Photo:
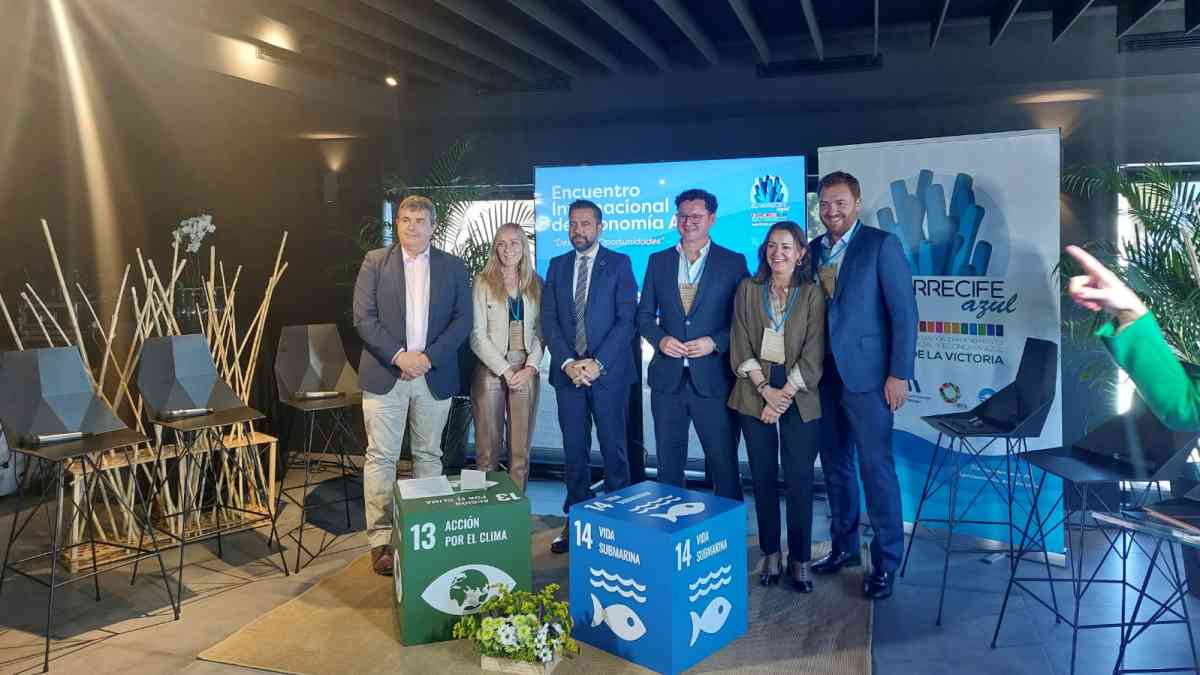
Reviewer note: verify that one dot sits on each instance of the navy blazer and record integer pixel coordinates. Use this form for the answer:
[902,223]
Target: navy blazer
[611,303]
[872,316]
[379,317]
[660,313]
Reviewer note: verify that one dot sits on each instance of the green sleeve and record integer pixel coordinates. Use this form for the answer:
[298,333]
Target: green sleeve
[1142,352]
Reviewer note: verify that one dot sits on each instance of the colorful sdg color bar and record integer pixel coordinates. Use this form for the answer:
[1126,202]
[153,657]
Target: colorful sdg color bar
[962,328]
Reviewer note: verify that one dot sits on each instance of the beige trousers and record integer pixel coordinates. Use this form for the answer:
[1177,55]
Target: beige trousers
[494,404]
[385,416]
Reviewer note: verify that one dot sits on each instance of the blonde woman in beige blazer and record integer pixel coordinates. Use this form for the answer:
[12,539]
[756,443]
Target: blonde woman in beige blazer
[507,338]
[777,347]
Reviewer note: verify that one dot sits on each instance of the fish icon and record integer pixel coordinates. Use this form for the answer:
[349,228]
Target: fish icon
[712,620]
[678,511]
[624,622]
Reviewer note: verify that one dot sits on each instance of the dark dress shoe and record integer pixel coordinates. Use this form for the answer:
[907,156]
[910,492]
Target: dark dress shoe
[771,570]
[878,585]
[562,543]
[834,561]
[381,560]
[800,574]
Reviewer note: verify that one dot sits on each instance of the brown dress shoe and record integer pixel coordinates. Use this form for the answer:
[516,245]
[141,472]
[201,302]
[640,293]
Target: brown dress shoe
[381,560]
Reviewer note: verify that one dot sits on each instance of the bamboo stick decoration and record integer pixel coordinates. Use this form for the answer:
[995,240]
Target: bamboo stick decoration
[174,263]
[109,343]
[262,321]
[100,328]
[112,326]
[135,347]
[66,294]
[164,302]
[61,332]
[45,333]
[11,326]
[212,280]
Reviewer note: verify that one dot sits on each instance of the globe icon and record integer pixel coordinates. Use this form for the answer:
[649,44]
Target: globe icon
[470,590]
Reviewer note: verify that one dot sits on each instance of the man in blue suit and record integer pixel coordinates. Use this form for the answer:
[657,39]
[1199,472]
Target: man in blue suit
[685,313]
[588,308]
[412,308]
[872,341]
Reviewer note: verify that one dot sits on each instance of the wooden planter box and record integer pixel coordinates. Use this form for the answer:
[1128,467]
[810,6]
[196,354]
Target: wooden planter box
[115,478]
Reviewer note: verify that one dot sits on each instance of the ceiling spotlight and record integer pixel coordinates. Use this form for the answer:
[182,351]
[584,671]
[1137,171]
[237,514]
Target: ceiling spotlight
[391,81]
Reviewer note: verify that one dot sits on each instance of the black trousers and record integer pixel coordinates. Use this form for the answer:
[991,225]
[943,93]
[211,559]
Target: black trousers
[793,441]
[715,426]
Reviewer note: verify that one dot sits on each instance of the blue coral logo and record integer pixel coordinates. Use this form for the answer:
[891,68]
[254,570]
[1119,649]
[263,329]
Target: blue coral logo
[940,240]
[986,393]
[768,189]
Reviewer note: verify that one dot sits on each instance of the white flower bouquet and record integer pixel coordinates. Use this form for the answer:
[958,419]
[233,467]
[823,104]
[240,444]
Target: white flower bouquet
[193,230]
[519,626]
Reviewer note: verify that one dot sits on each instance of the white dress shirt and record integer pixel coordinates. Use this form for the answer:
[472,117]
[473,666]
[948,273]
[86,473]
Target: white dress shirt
[416,301]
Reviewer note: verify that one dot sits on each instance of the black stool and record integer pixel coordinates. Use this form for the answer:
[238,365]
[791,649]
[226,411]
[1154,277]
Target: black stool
[1014,414]
[1139,522]
[328,418]
[52,464]
[316,380]
[1133,447]
[189,432]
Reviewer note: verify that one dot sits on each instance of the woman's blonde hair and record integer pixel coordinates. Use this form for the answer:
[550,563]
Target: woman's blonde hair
[528,281]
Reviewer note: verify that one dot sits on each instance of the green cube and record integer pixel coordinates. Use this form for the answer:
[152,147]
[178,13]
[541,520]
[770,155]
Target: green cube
[452,550]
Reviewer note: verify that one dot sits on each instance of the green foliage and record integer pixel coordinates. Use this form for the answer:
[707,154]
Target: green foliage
[519,625]
[1159,261]
[813,215]
[453,188]
[449,185]
[481,231]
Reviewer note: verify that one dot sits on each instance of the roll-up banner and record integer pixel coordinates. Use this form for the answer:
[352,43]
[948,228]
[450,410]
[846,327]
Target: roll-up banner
[978,217]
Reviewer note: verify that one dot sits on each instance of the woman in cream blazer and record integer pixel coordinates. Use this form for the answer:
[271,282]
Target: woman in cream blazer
[776,347]
[507,338]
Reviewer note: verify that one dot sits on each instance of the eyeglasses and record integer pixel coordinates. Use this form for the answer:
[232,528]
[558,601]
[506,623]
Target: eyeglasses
[693,218]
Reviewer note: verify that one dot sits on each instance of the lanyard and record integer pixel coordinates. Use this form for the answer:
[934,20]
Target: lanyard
[778,323]
[516,309]
[688,268]
[827,253]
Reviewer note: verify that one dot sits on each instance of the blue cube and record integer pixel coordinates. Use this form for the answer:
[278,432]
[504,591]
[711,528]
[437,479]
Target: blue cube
[658,574]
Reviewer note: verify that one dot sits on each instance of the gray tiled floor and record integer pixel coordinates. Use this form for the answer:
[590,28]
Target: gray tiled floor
[131,626]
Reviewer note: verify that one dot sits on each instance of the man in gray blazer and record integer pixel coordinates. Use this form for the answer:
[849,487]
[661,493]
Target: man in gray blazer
[412,308]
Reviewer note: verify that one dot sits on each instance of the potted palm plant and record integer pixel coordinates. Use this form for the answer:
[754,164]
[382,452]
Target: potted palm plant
[1159,260]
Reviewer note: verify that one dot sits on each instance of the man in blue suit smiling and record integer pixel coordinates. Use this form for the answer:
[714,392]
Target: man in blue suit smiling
[685,313]
[588,310]
[872,340]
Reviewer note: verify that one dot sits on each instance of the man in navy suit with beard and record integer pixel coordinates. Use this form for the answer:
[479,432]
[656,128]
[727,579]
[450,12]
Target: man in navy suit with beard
[588,310]
[685,313]
[872,341]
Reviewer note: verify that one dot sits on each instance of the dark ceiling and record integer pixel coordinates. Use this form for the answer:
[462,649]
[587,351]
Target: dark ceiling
[504,45]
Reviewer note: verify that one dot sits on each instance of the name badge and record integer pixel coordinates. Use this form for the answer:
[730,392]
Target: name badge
[828,279]
[772,346]
[516,336]
[687,295]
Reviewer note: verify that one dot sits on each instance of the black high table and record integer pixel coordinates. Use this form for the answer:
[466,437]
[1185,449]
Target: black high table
[326,416]
[52,461]
[188,432]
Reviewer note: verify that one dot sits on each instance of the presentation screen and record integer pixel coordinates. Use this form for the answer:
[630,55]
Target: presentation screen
[638,201]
